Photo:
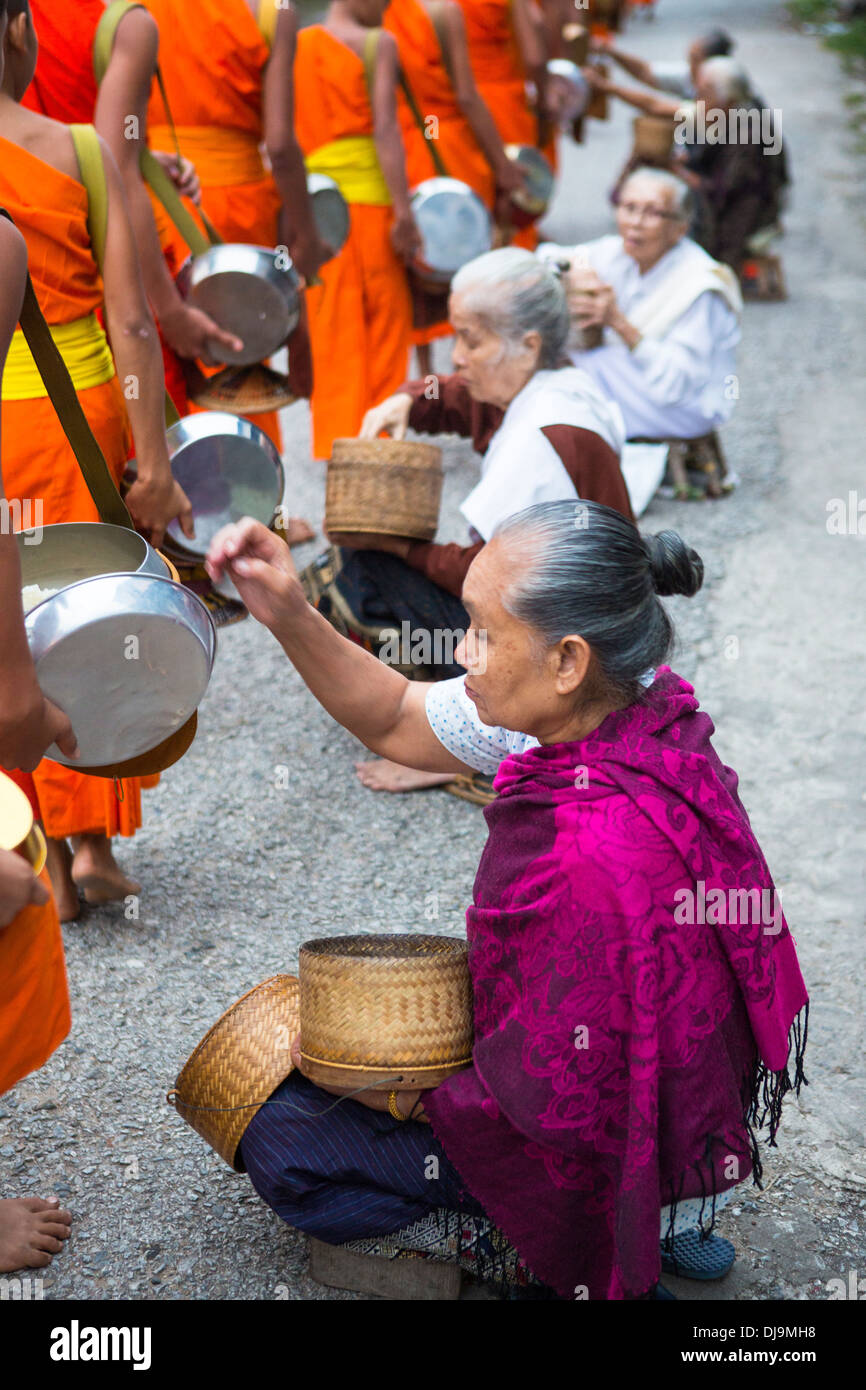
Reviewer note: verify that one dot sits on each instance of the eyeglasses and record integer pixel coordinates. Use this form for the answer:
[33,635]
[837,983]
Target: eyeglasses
[634,211]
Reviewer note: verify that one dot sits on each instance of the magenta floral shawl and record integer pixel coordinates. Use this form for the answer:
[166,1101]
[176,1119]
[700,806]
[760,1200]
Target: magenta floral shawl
[633,1016]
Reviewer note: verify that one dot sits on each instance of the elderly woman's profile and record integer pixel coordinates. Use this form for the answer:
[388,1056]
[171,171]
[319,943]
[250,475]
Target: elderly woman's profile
[543,433]
[638,1015]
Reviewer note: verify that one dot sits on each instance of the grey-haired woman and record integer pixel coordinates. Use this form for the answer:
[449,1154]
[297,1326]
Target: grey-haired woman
[544,433]
[630,1040]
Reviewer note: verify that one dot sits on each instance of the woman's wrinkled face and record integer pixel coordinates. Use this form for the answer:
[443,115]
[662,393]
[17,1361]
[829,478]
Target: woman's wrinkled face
[511,678]
[647,221]
[480,360]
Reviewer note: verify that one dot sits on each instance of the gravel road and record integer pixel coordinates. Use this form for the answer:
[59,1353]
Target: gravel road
[239,863]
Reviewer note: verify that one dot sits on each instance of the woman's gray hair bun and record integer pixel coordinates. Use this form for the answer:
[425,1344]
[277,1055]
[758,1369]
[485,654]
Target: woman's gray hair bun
[674,567]
[585,568]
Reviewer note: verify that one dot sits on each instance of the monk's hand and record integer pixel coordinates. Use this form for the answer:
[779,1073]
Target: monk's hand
[155,501]
[405,237]
[511,177]
[19,887]
[182,174]
[391,416]
[190,332]
[261,567]
[29,723]
[308,255]
[596,80]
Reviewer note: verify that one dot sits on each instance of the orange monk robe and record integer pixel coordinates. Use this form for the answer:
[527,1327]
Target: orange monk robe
[361,314]
[422,61]
[64,88]
[50,211]
[34,998]
[500,77]
[212,59]
[423,64]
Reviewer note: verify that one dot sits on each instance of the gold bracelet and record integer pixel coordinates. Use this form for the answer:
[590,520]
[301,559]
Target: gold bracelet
[393,1108]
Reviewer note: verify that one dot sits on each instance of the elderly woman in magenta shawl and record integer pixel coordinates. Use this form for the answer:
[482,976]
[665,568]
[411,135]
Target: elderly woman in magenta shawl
[636,990]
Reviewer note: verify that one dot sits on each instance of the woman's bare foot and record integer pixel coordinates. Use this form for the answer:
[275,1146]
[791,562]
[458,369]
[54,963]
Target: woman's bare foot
[58,862]
[297,531]
[31,1232]
[382,775]
[97,873]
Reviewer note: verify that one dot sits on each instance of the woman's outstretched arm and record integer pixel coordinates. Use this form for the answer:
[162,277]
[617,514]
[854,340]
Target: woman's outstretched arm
[374,702]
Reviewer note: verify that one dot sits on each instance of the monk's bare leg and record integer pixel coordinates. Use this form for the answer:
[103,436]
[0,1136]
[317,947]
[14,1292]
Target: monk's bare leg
[96,871]
[32,1231]
[58,862]
[381,775]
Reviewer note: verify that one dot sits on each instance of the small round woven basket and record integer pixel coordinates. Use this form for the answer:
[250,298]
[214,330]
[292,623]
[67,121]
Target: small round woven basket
[385,1011]
[238,1063]
[653,137]
[392,487]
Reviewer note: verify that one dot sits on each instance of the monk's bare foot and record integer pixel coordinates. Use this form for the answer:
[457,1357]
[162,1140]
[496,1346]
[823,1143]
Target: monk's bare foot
[382,775]
[297,531]
[97,873]
[58,862]
[31,1232]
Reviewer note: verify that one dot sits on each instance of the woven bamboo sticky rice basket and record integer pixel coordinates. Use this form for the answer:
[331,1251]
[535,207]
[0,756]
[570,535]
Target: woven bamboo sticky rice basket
[653,137]
[238,1063]
[392,487]
[385,1011]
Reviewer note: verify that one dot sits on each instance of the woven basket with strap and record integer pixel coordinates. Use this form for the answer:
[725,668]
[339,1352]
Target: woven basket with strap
[237,1064]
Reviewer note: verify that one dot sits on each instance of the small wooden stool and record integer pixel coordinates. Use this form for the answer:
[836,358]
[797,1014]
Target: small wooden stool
[701,455]
[379,1277]
[762,278]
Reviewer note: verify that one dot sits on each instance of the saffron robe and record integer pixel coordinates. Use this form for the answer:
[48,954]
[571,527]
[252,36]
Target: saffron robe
[213,69]
[423,65]
[501,79]
[50,211]
[34,997]
[64,88]
[360,315]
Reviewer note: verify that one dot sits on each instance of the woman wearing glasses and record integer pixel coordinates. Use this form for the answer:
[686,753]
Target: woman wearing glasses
[670,314]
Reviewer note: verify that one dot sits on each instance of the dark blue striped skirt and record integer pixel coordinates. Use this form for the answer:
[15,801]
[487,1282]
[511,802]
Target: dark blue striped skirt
[348,1173]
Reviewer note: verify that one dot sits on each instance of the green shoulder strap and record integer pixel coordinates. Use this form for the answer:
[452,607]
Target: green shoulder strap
[63,397]
[92,170]
[266,20]
[371,48]
[151,170]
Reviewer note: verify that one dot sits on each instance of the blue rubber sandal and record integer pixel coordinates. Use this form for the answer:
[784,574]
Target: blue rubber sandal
[690,1257]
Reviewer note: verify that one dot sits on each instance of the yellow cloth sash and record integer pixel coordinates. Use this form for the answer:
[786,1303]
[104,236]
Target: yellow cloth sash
[354,166]
[222,155]
[83,347]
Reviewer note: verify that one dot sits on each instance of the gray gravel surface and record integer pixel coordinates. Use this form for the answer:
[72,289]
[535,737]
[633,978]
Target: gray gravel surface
[237,871]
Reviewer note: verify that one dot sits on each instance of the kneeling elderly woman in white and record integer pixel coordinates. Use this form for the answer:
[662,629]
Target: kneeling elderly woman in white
[670,314]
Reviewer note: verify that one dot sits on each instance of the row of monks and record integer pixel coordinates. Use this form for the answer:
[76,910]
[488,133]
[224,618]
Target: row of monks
[253,102]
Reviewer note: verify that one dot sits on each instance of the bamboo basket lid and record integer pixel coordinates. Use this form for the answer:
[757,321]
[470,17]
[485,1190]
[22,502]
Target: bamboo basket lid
[385,1011]
[653,136]
[391,487]
[252,390]
[238,1063]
